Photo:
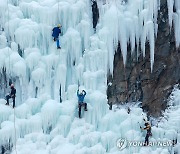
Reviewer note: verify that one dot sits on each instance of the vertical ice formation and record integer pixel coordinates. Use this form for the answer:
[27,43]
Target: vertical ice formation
[174,18]
[43,74]
[133,23]
[85,56]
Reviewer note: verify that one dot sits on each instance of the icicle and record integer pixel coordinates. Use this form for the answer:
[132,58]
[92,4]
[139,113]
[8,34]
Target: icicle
[170,11]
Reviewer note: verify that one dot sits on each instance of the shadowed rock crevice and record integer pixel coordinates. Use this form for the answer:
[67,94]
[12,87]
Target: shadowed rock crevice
[95,13]
[135,82]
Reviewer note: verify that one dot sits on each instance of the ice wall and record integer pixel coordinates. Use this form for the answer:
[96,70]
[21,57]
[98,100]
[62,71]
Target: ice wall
[174,18]
[42,74]
[26,29]
[132,23]
[27,25]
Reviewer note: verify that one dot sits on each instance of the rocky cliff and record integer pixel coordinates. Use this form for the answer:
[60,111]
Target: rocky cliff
[136,82]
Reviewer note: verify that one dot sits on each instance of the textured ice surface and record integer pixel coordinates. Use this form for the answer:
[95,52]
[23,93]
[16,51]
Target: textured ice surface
[42,74]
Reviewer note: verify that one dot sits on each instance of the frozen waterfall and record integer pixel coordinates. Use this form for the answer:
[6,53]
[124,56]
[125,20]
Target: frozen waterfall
[41,74]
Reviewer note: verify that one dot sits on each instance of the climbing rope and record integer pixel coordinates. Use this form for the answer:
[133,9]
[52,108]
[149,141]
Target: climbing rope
[131,126]
[127,100]
[8,21]
[15,132]
[58,12]
[60,94]
[9,42]
[8,36]
[125,78]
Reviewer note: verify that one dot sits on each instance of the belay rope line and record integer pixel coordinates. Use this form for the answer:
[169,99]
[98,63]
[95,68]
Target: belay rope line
[133,139]
[127,98]
[8,36]
[58,12]
[9,42]
[125,78]
[15,131]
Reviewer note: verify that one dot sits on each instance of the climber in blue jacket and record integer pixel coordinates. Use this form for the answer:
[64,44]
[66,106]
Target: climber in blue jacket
[55,34]
[81,101]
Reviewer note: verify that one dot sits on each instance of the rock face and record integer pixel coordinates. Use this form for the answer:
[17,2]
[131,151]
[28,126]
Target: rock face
[95,13]
[135,82]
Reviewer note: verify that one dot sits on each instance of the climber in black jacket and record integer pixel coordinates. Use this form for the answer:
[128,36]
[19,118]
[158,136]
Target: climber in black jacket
[148,134]
[11,95]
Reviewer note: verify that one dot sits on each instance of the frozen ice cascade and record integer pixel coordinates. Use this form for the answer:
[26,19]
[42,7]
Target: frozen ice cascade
[42,74]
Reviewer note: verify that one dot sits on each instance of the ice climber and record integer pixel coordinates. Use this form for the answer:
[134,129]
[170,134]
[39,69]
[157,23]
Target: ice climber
[11,95]
[81,101]
[148,134]
[55,34]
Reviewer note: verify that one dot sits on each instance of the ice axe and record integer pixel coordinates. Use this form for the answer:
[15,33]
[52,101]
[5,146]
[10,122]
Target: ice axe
[140,126]
[10,82]
[78,85]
